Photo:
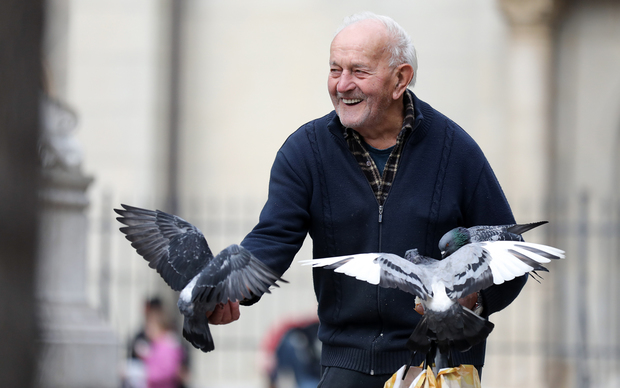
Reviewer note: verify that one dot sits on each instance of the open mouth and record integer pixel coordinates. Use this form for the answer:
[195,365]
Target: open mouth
[352,101]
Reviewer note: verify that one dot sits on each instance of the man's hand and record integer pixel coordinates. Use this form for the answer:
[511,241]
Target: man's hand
[469,301]
[224,313]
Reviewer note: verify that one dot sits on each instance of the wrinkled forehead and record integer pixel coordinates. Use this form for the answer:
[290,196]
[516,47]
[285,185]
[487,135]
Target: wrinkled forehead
[367,38]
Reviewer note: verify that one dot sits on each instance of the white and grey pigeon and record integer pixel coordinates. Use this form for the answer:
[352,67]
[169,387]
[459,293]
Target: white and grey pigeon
[440,283]
[180,254]
[457,237]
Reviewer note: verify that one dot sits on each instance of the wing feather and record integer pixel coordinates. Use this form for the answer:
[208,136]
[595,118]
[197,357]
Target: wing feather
[234,274]
[502,265]
[477,266]
[512,259]
[360,266]
[466,271]
[397,272]
[176,249]
[383,269]
[363,267]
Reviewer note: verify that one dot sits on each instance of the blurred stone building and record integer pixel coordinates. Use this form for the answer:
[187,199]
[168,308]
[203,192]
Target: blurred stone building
[182,105]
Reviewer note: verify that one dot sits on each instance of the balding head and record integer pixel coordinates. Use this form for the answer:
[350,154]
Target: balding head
[399,44]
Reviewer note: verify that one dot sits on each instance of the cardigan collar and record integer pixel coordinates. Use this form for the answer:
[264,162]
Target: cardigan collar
[422,113]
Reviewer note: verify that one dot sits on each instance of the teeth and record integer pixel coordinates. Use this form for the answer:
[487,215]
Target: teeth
[351,101]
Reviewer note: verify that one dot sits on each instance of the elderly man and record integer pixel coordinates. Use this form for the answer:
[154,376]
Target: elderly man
[383,172]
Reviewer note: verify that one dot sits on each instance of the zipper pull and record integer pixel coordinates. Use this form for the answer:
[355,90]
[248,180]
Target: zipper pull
[380,213]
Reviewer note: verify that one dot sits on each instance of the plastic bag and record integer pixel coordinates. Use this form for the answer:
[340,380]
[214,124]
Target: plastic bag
[464,376]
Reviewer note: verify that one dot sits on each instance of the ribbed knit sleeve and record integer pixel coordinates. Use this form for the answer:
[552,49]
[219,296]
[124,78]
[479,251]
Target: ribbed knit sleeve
[284,220]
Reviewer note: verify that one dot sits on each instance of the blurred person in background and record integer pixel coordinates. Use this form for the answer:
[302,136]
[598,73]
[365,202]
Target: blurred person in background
[383,172]
[292,348]
[156,357]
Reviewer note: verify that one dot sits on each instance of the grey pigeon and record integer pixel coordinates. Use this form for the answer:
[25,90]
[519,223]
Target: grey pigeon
[181,255]
[440,283]
[457,237]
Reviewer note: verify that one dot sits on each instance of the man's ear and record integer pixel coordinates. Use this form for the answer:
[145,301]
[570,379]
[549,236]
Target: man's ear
[404,74]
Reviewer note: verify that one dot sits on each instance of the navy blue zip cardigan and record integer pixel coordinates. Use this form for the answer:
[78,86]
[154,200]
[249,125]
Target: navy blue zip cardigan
[443,181]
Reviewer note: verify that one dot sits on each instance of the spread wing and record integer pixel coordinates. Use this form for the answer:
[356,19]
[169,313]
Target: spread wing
[382,269]
[234,274]
[477,266]
[171,245]
[473,267]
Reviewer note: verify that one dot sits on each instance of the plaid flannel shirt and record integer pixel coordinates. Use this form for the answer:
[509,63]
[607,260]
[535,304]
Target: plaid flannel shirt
[381,184]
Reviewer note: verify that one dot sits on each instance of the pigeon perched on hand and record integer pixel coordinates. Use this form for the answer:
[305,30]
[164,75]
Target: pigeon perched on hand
[181,255]
[440,283]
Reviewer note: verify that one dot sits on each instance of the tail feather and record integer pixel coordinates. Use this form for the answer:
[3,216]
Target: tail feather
[196,332]
[419,341]
[476,329]
[461,328]
[522,228]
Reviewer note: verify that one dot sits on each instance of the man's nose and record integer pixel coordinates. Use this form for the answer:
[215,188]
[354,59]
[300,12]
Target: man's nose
[345,82]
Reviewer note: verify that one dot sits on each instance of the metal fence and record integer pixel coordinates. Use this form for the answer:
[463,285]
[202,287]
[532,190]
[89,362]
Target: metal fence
[561,332]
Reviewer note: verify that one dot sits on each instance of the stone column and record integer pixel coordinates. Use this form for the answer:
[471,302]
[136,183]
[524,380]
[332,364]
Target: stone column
[529,154]
[529,100]
[79,349]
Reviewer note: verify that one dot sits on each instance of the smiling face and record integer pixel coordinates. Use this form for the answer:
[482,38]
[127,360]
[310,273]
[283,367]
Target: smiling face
[361,83]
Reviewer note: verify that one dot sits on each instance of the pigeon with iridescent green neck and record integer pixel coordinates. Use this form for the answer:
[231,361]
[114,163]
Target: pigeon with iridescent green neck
[440,283]
[458,237]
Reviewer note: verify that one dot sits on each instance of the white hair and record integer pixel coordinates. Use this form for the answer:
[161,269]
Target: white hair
[400,46]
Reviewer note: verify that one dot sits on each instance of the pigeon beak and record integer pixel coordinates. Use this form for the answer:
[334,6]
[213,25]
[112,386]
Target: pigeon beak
[443,254]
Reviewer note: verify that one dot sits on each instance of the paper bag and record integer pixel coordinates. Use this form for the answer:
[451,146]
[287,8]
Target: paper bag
[464,376]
